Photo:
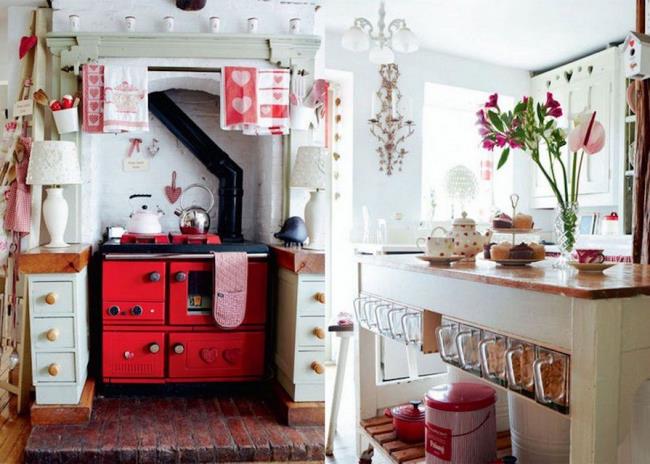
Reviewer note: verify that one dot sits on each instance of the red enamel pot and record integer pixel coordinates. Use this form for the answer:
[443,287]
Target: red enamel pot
[408,421]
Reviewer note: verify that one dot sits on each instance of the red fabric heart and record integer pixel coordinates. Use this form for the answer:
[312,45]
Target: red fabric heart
[209,355]
[172,192]
[277,79]
[26,44]
[277,95]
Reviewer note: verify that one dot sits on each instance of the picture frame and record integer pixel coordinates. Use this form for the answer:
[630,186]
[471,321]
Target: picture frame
[588,224]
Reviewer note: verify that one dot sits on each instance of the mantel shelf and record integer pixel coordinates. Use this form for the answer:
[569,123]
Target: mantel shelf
[283,50]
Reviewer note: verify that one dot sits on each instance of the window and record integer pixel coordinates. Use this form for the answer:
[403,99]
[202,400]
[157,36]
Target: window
[450,138]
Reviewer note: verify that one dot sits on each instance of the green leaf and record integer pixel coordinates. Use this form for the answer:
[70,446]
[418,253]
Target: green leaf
[521,106]
[504,157]
[495,120]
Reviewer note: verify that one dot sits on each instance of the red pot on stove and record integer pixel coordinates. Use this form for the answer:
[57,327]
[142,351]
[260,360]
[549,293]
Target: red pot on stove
[408,421]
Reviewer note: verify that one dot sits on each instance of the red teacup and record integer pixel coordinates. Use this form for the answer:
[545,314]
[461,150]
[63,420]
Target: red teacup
[590,255]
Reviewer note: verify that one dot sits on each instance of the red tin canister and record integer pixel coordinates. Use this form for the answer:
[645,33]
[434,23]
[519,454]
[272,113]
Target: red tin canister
[460,424]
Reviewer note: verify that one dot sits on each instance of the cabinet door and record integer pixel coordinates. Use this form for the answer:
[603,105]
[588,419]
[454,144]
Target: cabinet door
[595,176]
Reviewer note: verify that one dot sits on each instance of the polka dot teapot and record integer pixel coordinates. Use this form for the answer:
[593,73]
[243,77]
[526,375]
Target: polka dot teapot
[467,241]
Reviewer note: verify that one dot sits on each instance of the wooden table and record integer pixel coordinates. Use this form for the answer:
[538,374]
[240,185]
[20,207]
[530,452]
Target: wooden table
[601,321]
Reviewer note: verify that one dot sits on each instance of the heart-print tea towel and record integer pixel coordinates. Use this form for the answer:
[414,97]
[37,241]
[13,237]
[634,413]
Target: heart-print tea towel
[126,103]
[238,97]
[92,76]
[273,103]
[230,285]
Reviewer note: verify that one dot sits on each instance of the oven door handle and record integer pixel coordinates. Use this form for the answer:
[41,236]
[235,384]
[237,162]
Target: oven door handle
[183,256]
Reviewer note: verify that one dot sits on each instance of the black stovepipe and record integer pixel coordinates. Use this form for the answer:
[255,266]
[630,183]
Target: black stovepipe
[217,161]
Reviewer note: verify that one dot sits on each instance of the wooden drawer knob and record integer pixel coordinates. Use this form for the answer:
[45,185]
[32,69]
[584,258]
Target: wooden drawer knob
[51,298]
[53,369]
[320,297]
[318,332]
[317,368]
[52,335]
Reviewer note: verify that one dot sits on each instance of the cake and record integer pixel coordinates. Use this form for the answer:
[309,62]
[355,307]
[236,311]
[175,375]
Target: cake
[500,251]
[502,221]
[486,249]
[522,221]
[521,251]
[539,252]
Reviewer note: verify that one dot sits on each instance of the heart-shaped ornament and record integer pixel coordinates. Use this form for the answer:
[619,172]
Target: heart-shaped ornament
[26,44]
[172,192]
[232,356]
[209,355]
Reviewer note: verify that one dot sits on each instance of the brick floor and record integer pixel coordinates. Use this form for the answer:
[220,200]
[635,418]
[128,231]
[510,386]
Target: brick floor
[177,429]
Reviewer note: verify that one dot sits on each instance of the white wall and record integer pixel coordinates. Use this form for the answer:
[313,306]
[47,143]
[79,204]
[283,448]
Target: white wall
[391,196]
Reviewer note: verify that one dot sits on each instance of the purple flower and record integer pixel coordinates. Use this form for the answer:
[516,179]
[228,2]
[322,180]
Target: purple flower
[488,144]
[493,101]
[553,106]
[481,120]
[483,131]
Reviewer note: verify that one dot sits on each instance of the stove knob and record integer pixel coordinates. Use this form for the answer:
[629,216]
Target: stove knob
[114,310]
[136,310]
[180,277]
[154,348]
[179,348]
[154,277]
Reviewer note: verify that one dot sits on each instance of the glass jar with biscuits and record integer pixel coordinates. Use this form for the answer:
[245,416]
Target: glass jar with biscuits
[551,376]
[520,357]
[492,355]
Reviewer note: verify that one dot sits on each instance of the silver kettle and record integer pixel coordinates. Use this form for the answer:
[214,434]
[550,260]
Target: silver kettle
[194,219]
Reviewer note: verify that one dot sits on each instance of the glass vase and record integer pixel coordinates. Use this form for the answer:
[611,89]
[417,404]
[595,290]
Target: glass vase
[566,232]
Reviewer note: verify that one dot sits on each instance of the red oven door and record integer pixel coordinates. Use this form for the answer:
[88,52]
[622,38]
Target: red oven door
[191,289]
[216,355]
[133,355]
[133,281]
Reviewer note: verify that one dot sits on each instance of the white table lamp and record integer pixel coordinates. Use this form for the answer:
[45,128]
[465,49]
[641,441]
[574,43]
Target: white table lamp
[309,172]
[54,163]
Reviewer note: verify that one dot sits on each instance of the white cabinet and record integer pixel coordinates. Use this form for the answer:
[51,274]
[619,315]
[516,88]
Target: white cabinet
[590,83]
[301,330]
[58,306]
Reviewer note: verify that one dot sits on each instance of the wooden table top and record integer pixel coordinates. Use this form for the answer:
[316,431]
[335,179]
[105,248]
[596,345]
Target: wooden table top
[41,260]
[620,281]
[299,260]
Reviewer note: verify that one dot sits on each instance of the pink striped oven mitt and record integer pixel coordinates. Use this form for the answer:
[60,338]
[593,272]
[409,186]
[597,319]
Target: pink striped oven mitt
[230,285]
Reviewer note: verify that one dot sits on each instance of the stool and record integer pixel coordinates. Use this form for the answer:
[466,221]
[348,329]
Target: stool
[344,333]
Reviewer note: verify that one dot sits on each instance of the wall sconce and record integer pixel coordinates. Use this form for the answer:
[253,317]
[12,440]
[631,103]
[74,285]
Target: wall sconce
[391,120]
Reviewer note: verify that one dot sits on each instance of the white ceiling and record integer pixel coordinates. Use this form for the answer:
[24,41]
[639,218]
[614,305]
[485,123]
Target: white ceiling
[526,34]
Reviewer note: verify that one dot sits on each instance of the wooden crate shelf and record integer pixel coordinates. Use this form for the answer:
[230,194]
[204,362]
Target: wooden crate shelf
[379,431]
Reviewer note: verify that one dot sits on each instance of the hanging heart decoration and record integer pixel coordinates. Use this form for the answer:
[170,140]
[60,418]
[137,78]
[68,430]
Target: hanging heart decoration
[172,192]
[26,44]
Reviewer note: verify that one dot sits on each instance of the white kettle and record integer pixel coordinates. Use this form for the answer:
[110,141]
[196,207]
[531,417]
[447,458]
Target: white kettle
[144,218]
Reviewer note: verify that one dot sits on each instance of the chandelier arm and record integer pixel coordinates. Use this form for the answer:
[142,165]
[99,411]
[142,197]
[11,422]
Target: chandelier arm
[395,25]
[367,27]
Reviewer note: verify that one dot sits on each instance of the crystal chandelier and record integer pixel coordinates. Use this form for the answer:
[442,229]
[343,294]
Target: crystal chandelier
[386,40]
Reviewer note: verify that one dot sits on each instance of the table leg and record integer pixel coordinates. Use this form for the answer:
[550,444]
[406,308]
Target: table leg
[338,387]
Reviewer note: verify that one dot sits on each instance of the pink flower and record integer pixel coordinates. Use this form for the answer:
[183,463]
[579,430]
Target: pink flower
[525,100]
[514,144]
[588,135]
[501,140]
[488,144]
[483,131]
[493,101]
[553,106]
[481,120]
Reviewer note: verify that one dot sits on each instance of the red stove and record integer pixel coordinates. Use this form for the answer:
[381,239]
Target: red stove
[157,318]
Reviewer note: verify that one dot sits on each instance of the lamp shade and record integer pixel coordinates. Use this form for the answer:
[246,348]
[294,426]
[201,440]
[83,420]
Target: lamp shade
[355,39]
[309,170]
[54,162]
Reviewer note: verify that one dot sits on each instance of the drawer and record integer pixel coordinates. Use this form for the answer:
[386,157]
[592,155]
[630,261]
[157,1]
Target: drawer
[133,281]
[52,298]
[311,331]
[55,367]
[309,367]
[137,355]
[53,332]
[308,304]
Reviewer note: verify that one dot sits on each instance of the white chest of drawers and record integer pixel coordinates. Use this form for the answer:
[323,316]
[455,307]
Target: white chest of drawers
[301,329]
[58,317]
